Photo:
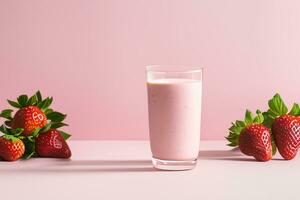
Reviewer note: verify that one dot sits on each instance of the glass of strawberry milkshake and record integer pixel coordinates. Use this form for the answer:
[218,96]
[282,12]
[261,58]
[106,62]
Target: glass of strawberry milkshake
[174,107]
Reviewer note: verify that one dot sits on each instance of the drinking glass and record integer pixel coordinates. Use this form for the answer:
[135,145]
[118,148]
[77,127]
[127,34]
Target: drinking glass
[174,108]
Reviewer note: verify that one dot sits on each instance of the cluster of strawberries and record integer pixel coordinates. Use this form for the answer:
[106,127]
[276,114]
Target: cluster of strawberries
[276,128]
[33,130]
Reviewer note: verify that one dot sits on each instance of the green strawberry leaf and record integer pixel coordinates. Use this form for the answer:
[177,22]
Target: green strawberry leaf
[48,103]
[28,154]
[235,129]
[32,100]
[58,124]
[248,117]
[276,106]
[17,131]
[295,110]
[22,100]
[268,119]
[41,104]
[259,117]
[14,104]
[240,123]
[45,103]
[39,96]
[31,138]
[36,132]
[6,114]
[234,133]
[56,117]
[8,131]
[65,135]
[274,149]
[11,137]
[233,139]
[29,143]
[4,130]
[46,128]
[21,137]
[231,144]
[48,110]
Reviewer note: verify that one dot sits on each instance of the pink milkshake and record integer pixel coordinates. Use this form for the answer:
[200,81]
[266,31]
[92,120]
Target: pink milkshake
[174,121]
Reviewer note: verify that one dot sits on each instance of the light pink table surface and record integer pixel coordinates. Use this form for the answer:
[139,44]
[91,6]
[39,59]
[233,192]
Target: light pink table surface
[122,170]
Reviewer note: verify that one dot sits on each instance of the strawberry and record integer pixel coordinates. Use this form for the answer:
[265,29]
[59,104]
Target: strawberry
[29,118]
[33,113]
[11,148]
[255,140]
[31,124]
[285,126]
[52,144]
[252,137]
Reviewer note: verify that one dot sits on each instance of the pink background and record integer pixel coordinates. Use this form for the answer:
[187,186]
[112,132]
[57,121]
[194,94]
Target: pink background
[90,56]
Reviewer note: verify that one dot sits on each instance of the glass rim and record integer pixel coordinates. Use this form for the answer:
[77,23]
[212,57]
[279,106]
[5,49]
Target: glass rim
[158,69]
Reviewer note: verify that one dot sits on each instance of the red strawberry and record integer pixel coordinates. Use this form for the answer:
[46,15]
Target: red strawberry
[11,148]
[253,138]
[29,118]
[286,130]
[52,144]
[285,127]
[32,113]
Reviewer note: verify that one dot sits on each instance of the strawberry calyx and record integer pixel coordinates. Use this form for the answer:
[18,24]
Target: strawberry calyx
[35,100]
[11,138]
[13,132]
[278,108]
